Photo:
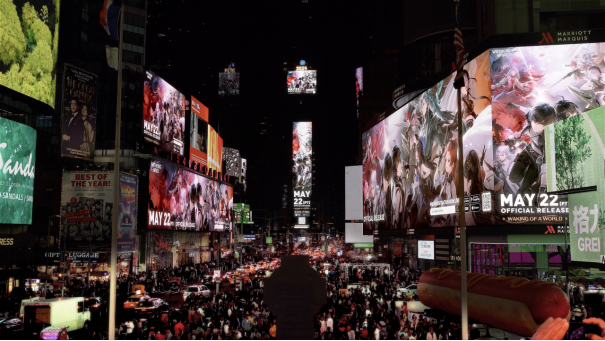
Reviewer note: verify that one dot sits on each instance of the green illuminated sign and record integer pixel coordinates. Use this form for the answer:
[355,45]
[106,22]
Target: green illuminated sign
[363,245]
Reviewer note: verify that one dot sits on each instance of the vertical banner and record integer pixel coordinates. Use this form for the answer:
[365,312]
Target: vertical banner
[302,169]
[127,213]
[358,85]
[215,150]
[87,207]
[198,146]
[79,119]
[233,162]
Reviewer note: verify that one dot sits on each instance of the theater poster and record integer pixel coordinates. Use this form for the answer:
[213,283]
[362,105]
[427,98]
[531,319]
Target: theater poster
[127,213]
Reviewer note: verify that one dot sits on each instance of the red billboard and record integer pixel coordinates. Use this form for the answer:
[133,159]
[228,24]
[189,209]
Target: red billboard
[198,132]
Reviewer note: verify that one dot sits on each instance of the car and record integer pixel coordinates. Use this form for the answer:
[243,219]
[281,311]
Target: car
[410,289]
[133,301]
[9,325]
[150,307]
[174,288]
[196,290]
[93,303]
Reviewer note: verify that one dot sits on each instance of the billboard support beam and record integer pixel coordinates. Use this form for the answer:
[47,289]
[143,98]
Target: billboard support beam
[461,214]
[116,198]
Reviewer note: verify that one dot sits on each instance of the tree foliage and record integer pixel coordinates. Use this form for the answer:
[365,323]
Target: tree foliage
[12,41]
[571,151]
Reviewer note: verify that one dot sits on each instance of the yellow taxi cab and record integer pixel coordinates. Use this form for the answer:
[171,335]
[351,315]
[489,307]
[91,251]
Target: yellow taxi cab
[132,301]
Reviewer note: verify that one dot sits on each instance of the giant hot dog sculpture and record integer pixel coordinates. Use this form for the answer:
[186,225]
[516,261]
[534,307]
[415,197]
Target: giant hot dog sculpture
[513,304]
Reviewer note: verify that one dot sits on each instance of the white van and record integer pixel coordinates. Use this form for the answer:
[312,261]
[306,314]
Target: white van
[61,311]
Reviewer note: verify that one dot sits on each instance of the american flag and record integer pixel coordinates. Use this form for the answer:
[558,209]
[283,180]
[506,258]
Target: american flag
[458,42]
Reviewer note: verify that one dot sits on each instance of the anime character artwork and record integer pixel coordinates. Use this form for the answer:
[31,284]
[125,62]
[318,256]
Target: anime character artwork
[533,87]
[163,114]
[410,159]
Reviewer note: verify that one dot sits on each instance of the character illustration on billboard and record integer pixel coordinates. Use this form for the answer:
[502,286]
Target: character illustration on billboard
[163,114]
[302,82]
[410,164]
[182,200]
[302,156]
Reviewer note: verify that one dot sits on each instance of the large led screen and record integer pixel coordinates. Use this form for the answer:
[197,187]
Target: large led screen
[302,170]
[302,82]
[215,150]
[79,120]
[127,213]
[87,207]
[198,143]
[17,170]
[233,162]
[163,115]
[410,162]
[183,200]
[29,46]
[358,85]
[228,83]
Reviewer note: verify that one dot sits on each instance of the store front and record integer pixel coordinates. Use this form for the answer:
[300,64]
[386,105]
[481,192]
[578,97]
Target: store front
[176,248]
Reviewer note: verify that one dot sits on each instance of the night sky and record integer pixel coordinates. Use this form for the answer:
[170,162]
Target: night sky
[202,37]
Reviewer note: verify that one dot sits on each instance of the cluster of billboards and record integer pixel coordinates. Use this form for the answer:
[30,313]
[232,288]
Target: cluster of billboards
[410,177]
[302,82]
[163,115]
[31,47]
[18,164]
[302,168]
[183,200]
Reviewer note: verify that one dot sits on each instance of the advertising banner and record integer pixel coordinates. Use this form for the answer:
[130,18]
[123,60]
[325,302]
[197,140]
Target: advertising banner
[426,249]
[79,119]
[358,85]
[585,232]
[183,200]
[244,171]
[302,167]
[18,165]
[87,207]
[215,150]
[163,114]
[302,82]
[30,46]
[233,162]
[127,213]
[199,132]
[228,83]
[242,210]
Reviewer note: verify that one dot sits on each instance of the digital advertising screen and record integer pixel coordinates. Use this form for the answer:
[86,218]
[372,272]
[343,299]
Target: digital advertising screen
[233,162]
[426,249]
[79,120]
[215,150]
[127,213]
[87,207]
[576,151]
[358,85]
[302,167]
[163,114]
[29,40]
[244,172]
[18,164]
[198,144]
[302,82]
[185,201]
[228,83]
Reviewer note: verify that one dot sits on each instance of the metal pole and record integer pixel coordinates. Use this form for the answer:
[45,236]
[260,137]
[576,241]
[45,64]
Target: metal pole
[116,181]
[463,284]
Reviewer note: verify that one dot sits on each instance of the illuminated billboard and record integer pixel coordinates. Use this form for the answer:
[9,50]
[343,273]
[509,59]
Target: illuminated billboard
[302,82]
[18,165]
[183,200]
[79,120]
[302,167]
[233,162]
[228,83]
[127,213]
[29,46]
[163,115]
[198,135]
[215,150]
[358,85]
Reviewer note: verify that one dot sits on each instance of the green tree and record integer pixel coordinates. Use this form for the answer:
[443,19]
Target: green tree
[571,150]
[12,40]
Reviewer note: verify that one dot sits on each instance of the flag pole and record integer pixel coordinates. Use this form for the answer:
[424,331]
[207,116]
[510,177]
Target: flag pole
[116,181]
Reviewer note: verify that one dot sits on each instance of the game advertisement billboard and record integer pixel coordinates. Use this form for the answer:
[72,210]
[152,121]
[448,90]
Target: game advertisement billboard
[127,213]
[18,165]
[87,207]
[29,37]
[302,82]
[198,143]
[244,172]
[410,159]
[215,150]
[302,169]
[79,121]
[358,85]
[185,201]
[163,115]
[228,83]
[233,162]
[532,88]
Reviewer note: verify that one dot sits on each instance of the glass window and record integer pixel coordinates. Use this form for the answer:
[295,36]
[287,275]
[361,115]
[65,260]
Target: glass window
[80,306]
